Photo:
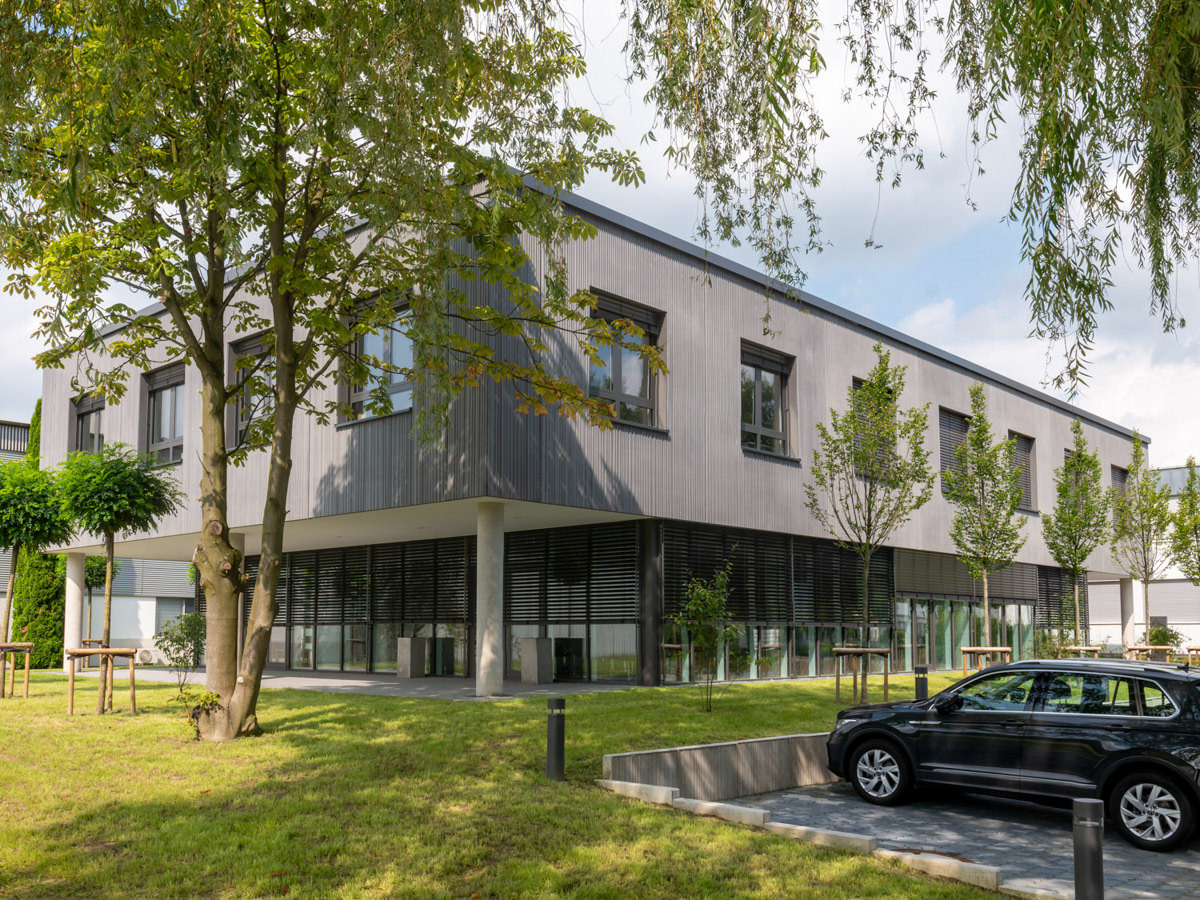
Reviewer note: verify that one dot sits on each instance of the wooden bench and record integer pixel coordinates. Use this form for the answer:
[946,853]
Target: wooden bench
[854,654]
[977,652]
[1193,655]
[1093,651]
[14,648]
[112,653]
[1146,651]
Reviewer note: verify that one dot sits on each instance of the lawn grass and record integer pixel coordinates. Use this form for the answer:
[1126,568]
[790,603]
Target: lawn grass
[356,796]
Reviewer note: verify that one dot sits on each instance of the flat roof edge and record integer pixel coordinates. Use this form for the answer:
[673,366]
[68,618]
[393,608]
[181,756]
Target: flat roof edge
[621,220]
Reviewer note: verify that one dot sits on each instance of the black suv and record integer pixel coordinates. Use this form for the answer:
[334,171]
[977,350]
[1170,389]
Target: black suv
[1126,732]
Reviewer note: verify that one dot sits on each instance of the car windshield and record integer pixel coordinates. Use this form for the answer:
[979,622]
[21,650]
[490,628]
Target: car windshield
[1001,691]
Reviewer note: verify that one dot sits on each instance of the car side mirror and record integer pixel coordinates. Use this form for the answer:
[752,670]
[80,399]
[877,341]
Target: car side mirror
[948,703]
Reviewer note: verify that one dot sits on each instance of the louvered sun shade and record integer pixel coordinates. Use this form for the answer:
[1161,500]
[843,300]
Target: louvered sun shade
[776,578]
[1022,461]
[1055,607]
[587,574]
[952,431]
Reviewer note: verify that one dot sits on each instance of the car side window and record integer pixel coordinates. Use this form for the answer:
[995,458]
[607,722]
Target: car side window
[1155,701]
[1006,691]
[1093,695]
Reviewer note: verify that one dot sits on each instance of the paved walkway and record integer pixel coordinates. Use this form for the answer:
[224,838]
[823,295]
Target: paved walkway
[440,688]
[1031,844]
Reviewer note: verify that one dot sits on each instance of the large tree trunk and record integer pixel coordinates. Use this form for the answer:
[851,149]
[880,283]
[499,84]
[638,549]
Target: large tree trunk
[103,698]
[237,713]
[8,597]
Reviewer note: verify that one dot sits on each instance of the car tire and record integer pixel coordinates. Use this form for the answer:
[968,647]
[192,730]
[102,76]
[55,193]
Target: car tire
[880,773]
[1151,811]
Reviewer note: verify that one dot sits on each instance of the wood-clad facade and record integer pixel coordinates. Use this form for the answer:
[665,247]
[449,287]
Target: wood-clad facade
[603,526]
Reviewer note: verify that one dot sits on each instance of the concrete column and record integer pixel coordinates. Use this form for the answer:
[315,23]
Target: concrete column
[489,599]
[76,588]
[1129,613]
[238,542]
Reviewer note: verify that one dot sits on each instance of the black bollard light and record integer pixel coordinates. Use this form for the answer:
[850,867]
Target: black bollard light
[1089,853]
[556,731]
[922,681]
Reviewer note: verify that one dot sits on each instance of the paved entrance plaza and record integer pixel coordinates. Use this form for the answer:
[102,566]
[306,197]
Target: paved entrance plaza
[1032,844]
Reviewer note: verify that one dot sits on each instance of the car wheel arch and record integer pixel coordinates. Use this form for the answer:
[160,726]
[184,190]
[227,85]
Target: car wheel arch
[876,734]
[1147,764]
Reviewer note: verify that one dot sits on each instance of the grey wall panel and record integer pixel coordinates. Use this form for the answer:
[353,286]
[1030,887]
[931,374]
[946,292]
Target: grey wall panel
[1179,601]
[152,578]
[1104,603]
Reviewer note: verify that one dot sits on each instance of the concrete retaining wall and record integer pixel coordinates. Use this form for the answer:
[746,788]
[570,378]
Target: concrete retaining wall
[733,769]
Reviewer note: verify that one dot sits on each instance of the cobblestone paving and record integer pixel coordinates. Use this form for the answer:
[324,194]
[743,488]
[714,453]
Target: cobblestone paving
[1031,844]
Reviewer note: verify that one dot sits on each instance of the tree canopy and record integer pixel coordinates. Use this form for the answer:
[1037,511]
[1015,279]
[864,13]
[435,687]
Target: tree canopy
[870,469]
[116,491]
[1185,531]
[983,486]
[1080,520]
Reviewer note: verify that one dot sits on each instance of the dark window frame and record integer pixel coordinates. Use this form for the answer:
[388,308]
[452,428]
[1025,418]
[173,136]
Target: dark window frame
[946,440]
[614,309]
[88,409]
[763,360]
[246,409]
[358,396]
[168,380]
[1022,460]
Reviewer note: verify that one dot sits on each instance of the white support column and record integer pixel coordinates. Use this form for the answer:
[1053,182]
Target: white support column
[489,599]
[238,542]
[73,624]
[1129,608]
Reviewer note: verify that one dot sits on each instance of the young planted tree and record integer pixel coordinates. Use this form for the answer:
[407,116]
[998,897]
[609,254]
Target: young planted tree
[984,487]
[1080,520]
[1141,527]
[705,616]
[870,471]
[114,491]
[1185,530]
[31,519]
[181,642]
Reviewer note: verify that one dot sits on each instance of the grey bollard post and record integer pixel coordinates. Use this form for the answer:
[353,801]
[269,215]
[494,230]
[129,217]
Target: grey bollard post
[556,721]
[1089,853]
[922,682]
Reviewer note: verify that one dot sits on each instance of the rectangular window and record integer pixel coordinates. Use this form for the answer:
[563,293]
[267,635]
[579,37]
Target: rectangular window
[255,383]
[622,375]
[164,425]
[764,395]
[89,437]
[952,431]
[1118,478]
[1022,461]
[389,357]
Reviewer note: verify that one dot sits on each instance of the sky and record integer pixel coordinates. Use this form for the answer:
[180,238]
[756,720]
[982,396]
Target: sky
[940,271]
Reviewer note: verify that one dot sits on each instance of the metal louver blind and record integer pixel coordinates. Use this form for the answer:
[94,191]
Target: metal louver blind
[952,431]
[1119,478]
[1055,607]
[586,574]
[356,584]
[329,590]
[302,584]
[387,582]
[1022,461]
[250,571]
[420,584]
[452,590]
[776,578]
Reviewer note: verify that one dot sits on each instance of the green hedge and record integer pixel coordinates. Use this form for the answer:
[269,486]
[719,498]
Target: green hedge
[38,607]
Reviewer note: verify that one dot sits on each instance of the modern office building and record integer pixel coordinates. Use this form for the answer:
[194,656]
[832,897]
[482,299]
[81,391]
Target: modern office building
[1117,611]
[589,536]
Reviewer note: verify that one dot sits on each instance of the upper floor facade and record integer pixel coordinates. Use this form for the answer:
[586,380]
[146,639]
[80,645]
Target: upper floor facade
[723,437]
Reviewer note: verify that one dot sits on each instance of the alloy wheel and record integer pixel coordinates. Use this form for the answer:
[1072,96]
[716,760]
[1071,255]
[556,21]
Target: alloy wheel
[878,773]
[1150,811]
